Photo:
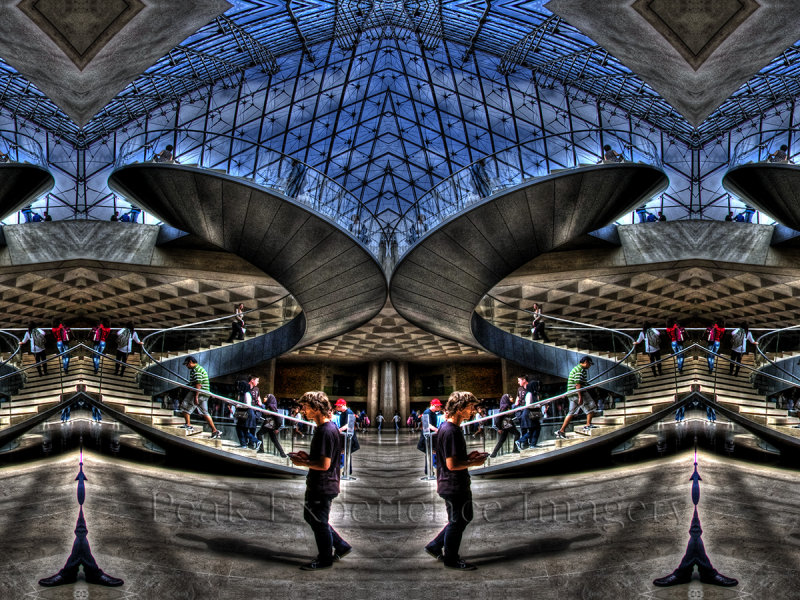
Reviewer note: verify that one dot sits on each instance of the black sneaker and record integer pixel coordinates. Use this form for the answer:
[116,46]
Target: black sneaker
[316,565]
[217,434]
[460,565]
[561,434]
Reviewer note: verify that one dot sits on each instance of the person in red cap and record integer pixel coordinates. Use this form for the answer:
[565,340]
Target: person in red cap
[344,414]
[432,412]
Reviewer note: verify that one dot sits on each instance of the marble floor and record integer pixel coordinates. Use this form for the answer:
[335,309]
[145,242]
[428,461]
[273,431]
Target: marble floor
[604,534]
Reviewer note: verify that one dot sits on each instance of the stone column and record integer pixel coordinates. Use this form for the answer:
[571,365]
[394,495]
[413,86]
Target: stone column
[389,389]
[403,390]
[503,373]
[373,392]
[269,380]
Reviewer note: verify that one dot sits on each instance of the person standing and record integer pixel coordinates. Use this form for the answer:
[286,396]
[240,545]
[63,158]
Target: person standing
[453,480]
[62,334]
[677,334]
[505,425]
[37,338]
[739,338]
[125,340]
[237,325]
[246,417]
[322,482]
[652,346]
[537,326]
[196,400]
[580,400]
[99,337]
[714,333]
[344,416]
[433,419]
[528,393]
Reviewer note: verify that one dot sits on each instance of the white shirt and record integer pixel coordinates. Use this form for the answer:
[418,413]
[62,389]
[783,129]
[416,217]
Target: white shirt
[28,337]
[131,338]
[647,347]
[741,349]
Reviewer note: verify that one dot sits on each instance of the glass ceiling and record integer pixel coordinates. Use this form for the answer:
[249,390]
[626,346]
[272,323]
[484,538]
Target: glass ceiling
[390,97]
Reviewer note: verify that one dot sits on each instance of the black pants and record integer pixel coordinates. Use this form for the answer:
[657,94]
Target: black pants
[735,356]
[316,512]
[122,357]
[273,436]
[41,365]
[459,515]
[236,332]
[501,439]
[539,332]
[655,357]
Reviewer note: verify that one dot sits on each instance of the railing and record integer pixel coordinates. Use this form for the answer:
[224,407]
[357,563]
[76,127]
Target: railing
[514,166]
[587,338]
[193,337]
[764,146]
[20,148]
[262,165]
[785,341]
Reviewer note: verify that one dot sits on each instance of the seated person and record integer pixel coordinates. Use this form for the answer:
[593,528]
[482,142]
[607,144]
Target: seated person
[4,158]
[611,156]
[780,155]
[165,156]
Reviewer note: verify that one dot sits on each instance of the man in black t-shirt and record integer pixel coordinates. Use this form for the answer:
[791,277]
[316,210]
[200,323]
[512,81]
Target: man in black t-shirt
[452,479]
[322,483]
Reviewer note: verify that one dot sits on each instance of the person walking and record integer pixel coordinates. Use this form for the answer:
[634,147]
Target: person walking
[271,425]
[714,333]
[322,482]
[580,400]
[126,337]
[37,338]
[739,338]
[537,326]
[652,346]
[453,480]
[62,334]
[237,325]
[196,400]
[677,334]
[505,425]
[99,337]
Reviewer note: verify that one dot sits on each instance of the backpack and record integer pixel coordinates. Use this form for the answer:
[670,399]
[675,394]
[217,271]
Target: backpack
[38,338]
[738,338]
[652,337]
[123,338]
[366,421]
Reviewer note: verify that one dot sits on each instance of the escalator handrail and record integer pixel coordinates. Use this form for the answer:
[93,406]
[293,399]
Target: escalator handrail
[759,345]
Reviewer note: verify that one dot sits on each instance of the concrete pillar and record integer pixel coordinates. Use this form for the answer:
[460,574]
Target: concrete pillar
[389,389]
[503,374]
[403,390]
[373,392]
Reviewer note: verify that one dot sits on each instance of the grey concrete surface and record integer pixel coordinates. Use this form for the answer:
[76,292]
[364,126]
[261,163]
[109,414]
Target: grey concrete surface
[20,184]
[438,283]
[598,535]
[694,54]
[83,54]
[336,281]
[771,188]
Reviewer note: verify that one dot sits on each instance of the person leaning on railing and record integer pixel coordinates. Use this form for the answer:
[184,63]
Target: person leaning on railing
[165,156]
[781,155]
[612,156]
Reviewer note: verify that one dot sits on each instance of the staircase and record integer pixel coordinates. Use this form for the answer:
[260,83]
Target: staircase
[121,393]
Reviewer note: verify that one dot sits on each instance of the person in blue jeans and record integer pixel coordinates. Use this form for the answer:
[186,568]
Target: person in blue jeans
[714,333]
[677,335]
[62,334]
[99,337]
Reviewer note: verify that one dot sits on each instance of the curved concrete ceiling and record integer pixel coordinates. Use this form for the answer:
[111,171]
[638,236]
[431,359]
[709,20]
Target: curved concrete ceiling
[773,188]
[441,280]
[20,184]
[336,281]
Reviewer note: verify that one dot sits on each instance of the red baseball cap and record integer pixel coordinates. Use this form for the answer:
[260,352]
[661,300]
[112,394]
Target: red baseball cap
[341,402]
[436,402]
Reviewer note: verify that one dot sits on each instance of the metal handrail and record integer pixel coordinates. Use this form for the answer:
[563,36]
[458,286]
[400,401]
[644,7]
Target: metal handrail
[191,326]
[759,348]
[267,167]
[630,351]
[757,147]
[20,148]
[525,161]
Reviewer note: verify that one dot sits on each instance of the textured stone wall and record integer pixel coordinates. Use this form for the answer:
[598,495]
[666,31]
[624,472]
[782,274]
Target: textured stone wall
[292,380]
[482,379]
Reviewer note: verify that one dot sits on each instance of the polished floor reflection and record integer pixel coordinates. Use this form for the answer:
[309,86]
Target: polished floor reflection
[600,534]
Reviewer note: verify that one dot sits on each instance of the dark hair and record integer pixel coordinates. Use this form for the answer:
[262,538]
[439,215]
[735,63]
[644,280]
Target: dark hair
[169,147]
[104,323]
[647,326]
[250,378]
[606,147]
[242,387]
[459,401]
[317,400]
[130,327]
[784,147]
[671,321]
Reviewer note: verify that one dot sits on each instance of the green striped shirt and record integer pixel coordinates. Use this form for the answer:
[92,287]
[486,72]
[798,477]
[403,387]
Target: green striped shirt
[578,375]
[199,375]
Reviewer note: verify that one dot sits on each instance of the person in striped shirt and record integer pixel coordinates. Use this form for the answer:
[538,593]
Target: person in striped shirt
[580,401]
[194,399]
